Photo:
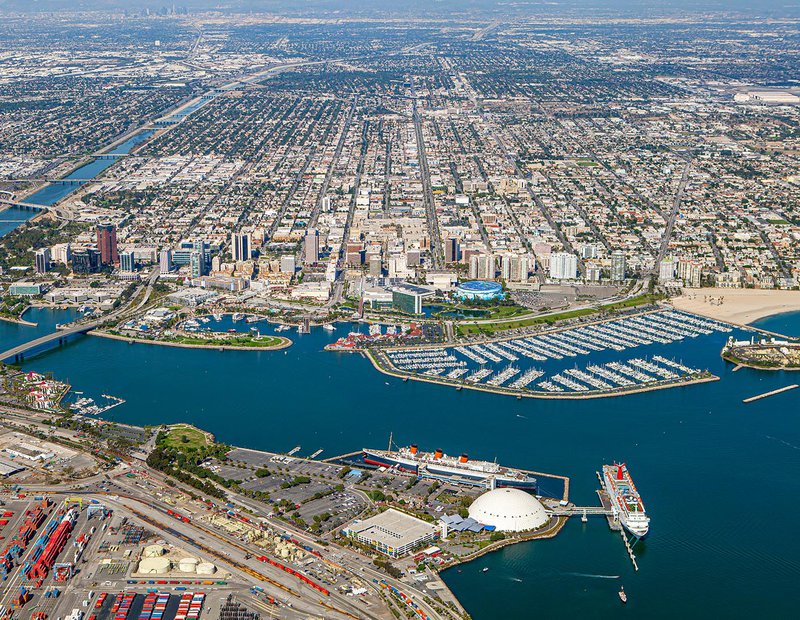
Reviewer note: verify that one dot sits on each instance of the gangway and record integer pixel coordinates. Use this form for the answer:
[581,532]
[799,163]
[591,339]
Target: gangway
[571,511]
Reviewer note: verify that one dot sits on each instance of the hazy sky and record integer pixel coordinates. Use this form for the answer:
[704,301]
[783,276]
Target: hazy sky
[789,8]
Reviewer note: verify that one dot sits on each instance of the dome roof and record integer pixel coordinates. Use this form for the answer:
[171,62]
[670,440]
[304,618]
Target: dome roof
[509,510]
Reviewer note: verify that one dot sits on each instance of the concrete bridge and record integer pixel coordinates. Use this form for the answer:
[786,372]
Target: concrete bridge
[571,511]
[27,206]
[17,354]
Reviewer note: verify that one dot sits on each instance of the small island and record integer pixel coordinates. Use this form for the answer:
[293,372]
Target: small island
[764,353]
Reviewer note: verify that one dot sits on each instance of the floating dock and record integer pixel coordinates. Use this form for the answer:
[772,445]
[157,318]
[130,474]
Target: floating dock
[772,393]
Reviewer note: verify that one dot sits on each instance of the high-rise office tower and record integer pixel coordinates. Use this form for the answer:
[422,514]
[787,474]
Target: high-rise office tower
[311,246]
[43,260]
[240,247]
[107,244]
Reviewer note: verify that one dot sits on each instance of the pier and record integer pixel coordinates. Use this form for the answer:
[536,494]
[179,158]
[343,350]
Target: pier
[772,393]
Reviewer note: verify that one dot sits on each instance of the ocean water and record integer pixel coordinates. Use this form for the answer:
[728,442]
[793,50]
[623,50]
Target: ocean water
[719,478]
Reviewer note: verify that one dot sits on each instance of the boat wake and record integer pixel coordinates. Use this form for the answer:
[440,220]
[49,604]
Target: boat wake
[517,579]
[522,416]
[785,443]
[594,576]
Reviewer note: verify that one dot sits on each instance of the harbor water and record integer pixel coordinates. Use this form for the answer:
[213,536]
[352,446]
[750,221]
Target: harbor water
[719,478]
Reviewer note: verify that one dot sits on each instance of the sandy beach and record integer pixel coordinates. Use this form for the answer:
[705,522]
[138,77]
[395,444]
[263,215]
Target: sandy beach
[737,305]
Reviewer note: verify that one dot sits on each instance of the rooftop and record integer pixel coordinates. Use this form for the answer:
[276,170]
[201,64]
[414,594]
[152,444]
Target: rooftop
[393,528]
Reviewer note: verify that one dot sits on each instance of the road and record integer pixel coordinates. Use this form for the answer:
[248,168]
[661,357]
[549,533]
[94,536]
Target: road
[332,166]
[673,216]
[437,255]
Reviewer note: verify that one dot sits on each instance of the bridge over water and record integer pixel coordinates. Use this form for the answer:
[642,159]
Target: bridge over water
[17,354]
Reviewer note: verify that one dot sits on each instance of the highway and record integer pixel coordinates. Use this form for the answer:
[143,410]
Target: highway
[16,353]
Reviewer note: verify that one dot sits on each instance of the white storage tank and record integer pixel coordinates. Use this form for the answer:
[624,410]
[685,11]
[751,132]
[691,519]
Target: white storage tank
[154,566]
[188,565]
[153,551]
[206,568]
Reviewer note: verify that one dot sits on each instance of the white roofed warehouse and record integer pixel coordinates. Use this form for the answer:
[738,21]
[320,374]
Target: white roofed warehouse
[509,510]
[392,532]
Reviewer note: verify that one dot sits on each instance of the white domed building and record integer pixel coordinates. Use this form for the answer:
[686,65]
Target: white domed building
[509,510]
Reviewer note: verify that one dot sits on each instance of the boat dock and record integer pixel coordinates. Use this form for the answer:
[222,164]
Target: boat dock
[613,522]
[772,393]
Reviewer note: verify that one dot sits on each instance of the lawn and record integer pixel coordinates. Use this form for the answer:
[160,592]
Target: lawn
[490,328]
[241,341]
[184,438]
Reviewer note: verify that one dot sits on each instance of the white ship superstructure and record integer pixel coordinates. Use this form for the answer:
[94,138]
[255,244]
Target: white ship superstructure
[456,469]
[626,504]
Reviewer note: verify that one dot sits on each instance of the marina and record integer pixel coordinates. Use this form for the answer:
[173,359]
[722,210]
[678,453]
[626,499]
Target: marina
[548,365]
[87,406]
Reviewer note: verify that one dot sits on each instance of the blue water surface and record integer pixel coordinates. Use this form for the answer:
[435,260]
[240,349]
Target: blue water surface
[720,479]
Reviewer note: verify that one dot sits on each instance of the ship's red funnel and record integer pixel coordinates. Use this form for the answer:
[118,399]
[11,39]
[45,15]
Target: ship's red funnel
[619,472]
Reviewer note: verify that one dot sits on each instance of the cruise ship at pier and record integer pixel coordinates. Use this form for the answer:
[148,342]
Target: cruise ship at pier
[460,469]
[626,504]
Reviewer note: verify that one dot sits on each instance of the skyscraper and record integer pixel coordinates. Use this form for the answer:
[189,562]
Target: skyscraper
[127,261]
[563,266]
[451,250]
[240,246]
[482,267]
[107,244]
[85,260]
[197,263]
[199,246]
[666,269]
[515,268]
[61,253]
[43,260]
[618,266]
[311,246]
